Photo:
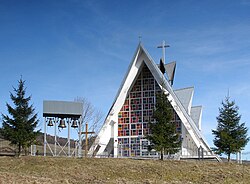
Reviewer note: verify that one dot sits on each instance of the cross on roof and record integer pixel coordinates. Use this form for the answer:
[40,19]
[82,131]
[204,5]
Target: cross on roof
[163,46]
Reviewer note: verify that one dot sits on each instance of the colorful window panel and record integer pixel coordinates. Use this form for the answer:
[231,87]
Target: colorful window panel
[137,111]
[123,120]
[135,101]
[125,108]
[136,88]
[144,145]
[148,100]
[123,146]
[135,95]
[136,116]
[136,107]
[148,94]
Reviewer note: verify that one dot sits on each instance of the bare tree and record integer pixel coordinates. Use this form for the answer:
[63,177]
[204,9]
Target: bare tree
[97,120]
[90,115]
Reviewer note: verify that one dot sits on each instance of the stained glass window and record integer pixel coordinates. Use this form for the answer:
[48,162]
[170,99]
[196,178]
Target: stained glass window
[135,114]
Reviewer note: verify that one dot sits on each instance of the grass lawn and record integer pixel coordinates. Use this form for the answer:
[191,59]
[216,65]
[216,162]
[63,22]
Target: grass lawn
[92,170]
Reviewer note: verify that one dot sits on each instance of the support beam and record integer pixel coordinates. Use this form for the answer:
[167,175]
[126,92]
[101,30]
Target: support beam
[55,144]
[80,138]
[86,141]
[68,120]
[45,141]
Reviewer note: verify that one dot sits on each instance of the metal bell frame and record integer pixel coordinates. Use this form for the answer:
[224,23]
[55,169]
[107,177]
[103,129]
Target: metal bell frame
[72,123]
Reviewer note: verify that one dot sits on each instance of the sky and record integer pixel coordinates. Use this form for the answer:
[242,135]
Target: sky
[65,49]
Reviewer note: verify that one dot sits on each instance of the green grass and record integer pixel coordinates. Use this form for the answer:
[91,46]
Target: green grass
[91,170]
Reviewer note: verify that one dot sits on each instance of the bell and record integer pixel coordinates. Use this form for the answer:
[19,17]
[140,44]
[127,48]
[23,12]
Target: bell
[74,124]
[50,123]
[62,124]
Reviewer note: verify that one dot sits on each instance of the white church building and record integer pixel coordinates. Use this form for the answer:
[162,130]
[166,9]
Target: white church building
[123,132]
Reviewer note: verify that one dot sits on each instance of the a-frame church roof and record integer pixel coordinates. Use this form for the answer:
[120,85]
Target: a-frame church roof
[141,58]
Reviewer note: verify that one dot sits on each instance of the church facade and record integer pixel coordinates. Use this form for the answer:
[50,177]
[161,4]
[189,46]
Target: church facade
[126,125]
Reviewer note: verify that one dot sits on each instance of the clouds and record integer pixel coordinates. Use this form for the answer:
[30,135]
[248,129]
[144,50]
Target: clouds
[75,48]
[212,49]
[210,39]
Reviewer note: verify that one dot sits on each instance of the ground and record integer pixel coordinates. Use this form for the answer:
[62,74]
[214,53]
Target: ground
[92,170]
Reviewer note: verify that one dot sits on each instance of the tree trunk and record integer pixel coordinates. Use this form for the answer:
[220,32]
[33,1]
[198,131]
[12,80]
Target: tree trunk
[228,157]
[19,150]
[26,151]
[162,154]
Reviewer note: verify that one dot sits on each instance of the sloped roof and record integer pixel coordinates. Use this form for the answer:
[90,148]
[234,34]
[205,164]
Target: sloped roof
[142,56]
[196,112]
[161,80]
[136,54]
[170,70]
[185,95]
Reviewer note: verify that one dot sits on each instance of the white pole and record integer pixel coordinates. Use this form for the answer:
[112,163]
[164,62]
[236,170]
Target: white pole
[45,141]
[163,51]
[55,121]
[68,137]
[163,47]
[240,154]
[31,152]
[76,144]
[80,138]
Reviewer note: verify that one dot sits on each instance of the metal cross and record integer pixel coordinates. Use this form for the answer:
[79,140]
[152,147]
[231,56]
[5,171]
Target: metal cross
[163,46]
[140,37]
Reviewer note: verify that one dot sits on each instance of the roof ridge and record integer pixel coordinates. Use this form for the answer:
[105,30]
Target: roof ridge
[196,106]
[184,88]
[170,62]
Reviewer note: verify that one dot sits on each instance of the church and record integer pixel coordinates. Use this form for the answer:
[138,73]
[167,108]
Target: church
[125,126]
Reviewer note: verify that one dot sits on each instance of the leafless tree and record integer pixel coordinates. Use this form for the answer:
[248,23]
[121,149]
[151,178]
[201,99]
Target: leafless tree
[90,115]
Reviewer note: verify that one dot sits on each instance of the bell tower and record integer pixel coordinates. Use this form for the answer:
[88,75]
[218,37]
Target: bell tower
[62,115]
